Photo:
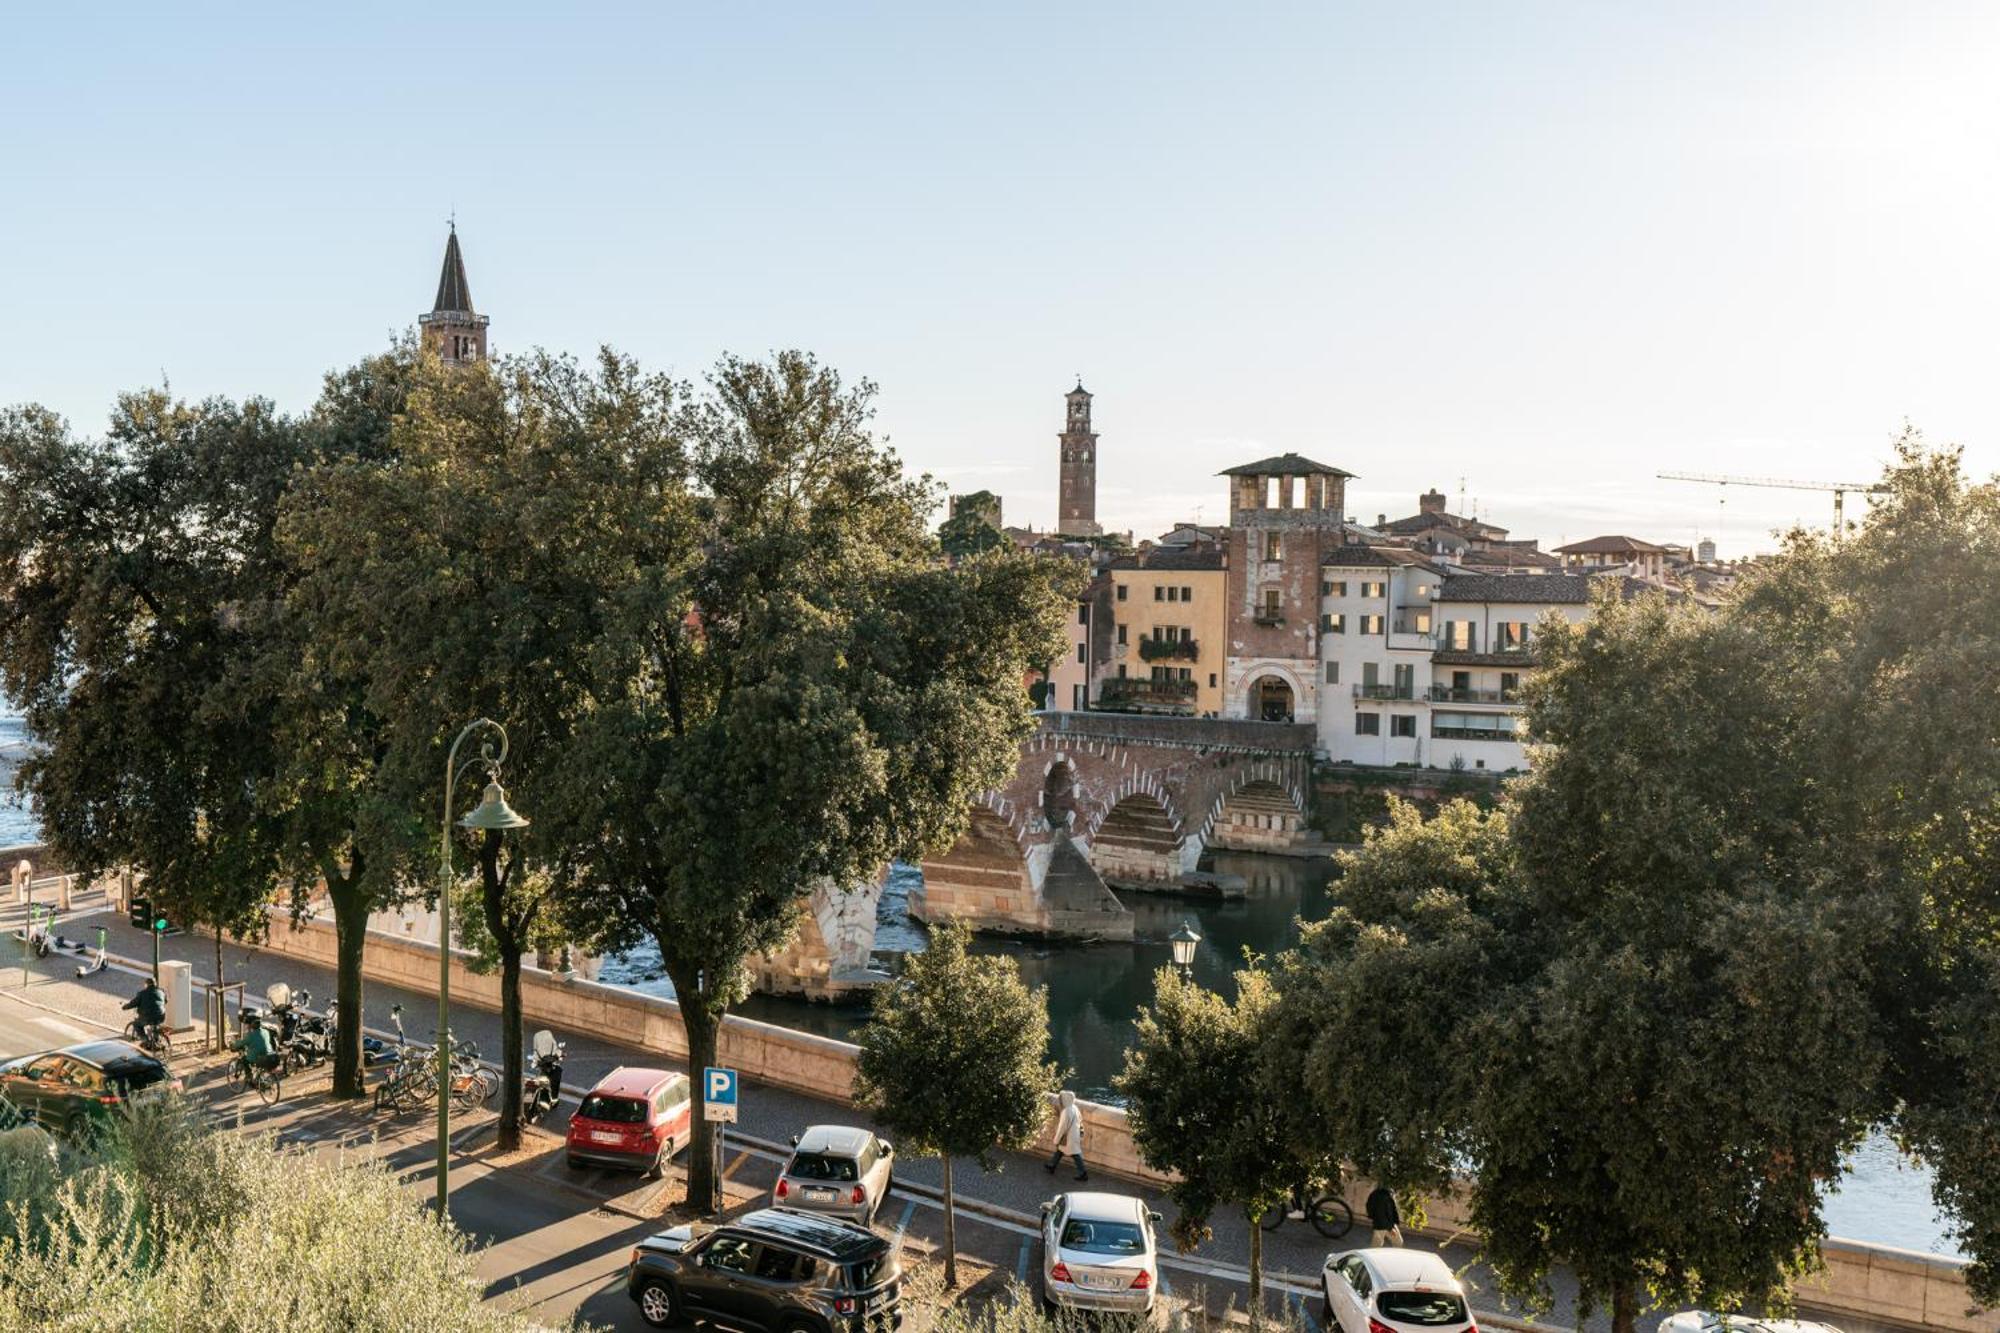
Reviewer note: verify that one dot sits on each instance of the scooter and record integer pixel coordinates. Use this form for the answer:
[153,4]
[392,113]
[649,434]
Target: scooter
[543,1085]
[306,1038]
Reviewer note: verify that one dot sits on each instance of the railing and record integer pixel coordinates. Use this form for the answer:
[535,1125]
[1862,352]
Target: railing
[1446,694]
[1144,692]
[1385,692]
[1267,618]
[1154,650]
[1408,625]
[1470,734]
[1442,643]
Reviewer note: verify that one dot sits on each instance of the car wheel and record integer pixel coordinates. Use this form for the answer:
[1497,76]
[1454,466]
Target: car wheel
[659,1166]
[572,1163]
[657,1305]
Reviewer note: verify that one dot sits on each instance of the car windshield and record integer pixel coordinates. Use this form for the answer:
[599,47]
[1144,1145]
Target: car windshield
[865,1273]
[136,1078]
[820,1166]
[1421,1307]
[618,1110]
[1103,1237]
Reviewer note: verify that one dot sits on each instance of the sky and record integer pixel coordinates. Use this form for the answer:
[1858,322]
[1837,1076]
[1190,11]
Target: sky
[1531,254]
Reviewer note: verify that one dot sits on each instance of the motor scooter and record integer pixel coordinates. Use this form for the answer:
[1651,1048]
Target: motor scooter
[542,1087]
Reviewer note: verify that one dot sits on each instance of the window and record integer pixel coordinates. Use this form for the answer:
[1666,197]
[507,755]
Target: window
[1368,724]
[614,1110]
[1333,624]
[1185,673]
[776,1265]
[1121,634]
[1094,1237]
[1121,671]
[823,1166]
[1333,673]
[1273,608]
[1076,698]
[1371,589]
[1510,635]
[1371,624]
[1370,673]
[1402,724]
[1159,593]
[1406,680]
[1187,593]
[1121,592]
[1079,654]
[1423,590]
[1211,680]
[1510,683]
[1274,546]
[1461,636]
[1083,613]
[731,1254]
[1333,588]
[1426,1308]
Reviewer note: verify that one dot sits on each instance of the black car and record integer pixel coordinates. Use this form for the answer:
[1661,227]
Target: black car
[775,1270]
[64,1089]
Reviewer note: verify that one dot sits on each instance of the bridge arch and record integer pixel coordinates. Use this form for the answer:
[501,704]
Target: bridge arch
[1262,809]
[1139,837]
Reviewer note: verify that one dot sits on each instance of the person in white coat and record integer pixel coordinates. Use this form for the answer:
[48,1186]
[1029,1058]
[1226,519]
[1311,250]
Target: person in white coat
[1069,1136]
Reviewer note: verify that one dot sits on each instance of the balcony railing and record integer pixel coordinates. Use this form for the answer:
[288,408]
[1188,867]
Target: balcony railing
[1156,650]
[1143,694]
[1470,734]
[1446,694]
[1408,625]
[1267,617]
[1391,691]
[1442,643]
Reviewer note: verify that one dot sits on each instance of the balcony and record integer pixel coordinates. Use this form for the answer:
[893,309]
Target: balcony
[1141,694]
[1385,692]
[1445,694]
[1168,650]
[1267,617]
[1502,655]
[1412,625]
[1449,733]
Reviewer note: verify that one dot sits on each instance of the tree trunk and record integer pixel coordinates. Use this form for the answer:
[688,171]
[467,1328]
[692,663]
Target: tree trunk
[704,1183]
[350,931]
[510,1046]
[1624,1311]
[950,1230]
[1256,1271]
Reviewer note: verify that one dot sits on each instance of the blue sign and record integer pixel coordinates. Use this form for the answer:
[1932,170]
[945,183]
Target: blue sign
[718,1094]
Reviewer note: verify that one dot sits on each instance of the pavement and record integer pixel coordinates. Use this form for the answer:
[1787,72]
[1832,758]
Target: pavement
[558,1239]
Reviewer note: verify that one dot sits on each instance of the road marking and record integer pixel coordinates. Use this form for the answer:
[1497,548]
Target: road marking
[69,1030]
[903,1223]
[1299,1304]
[739,1160]
[1021,1264]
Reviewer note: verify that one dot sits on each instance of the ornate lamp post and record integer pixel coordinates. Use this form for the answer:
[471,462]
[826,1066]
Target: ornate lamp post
[493,813]
[1184,942]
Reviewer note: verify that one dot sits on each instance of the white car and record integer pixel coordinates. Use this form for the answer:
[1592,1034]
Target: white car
[1393,1291]
[1705,1321]
[1098,1253]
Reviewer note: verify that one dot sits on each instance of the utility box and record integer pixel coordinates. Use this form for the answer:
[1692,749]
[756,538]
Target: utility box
[177,980]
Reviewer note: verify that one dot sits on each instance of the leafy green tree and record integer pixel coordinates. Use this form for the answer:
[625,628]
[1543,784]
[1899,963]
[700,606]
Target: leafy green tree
[955,1062]
[1199,1107]
[974,526]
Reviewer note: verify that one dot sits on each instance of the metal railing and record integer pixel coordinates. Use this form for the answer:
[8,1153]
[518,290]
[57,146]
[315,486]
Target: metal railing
[1447,694]
[1144,692]
[1391,691]
[1154,650]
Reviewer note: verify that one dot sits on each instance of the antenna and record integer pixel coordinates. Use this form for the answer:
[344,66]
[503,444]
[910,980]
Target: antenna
[1461,495]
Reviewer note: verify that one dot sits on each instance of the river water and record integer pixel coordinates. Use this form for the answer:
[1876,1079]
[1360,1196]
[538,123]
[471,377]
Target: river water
[1095,991]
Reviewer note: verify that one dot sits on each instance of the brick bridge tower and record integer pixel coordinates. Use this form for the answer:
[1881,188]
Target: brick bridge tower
[452,329]
[1076,514]
[1286,515]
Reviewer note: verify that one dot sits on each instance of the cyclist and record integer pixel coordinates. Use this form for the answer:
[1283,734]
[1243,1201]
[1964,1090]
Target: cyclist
[255,1044]
[150,1006]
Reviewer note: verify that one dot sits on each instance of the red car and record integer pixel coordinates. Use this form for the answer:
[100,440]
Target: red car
[634,1118]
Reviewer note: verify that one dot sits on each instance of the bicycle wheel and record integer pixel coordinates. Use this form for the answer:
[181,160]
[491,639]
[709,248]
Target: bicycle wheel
[270,1085]
[164,1042]
[1273,1218]
[1331,1216]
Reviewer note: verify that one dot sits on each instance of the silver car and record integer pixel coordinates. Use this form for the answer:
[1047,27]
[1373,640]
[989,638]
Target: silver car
[1704,1321]
[1098,1253]
[837,1169]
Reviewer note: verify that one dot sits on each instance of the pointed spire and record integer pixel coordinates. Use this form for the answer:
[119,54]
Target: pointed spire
[454,292]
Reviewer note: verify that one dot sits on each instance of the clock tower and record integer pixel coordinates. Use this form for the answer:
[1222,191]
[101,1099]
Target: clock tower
[1076,512]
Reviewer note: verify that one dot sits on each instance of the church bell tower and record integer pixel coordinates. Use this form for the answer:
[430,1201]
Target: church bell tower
[1076,512]
[452,329]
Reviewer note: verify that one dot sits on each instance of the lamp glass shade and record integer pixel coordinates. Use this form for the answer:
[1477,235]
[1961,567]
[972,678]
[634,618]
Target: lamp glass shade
[494,812]
[1184,942]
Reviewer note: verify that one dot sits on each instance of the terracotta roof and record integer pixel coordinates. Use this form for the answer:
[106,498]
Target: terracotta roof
[1440,519]
[1281,465]
[1356,556]
[454,292]
[1171,557]
[1613,545]
[1546,588]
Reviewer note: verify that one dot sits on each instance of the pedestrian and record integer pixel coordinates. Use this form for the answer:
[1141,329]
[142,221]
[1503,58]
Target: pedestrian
[1383,1217]
[1069,1137]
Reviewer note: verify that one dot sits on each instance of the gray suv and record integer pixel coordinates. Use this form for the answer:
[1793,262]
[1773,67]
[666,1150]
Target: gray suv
[837,1169]
[771,1271]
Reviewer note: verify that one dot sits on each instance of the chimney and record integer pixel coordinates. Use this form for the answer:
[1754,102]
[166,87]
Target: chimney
[1431,502]
[1381,520]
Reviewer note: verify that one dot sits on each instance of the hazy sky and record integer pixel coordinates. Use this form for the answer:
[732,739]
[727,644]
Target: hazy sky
[1549,248]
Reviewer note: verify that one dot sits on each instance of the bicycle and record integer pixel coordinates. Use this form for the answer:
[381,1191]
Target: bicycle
[267,1080]
[152,1037]
[471,1084]
[1328,1212]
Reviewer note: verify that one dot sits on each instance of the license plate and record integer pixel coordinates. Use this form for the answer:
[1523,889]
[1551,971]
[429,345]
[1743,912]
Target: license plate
[605,1136]
[1099,1282]
[819,1194]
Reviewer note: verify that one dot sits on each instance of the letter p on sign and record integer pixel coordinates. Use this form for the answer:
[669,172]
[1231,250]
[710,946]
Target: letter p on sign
[718,1095]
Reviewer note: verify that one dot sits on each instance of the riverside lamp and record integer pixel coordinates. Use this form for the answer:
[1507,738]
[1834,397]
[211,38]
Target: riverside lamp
[1184,942]
[493,813]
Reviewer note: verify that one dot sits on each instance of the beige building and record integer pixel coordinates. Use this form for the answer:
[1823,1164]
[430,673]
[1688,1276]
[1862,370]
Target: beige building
[1167,642]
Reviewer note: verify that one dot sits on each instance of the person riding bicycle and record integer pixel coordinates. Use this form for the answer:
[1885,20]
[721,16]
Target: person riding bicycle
[255,1043]
[150,1006]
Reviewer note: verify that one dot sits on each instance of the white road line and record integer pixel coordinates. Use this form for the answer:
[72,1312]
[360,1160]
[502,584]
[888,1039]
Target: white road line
[903,1223]
[1021,1264]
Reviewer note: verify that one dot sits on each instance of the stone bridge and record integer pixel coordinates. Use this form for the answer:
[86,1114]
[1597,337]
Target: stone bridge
[1118,798]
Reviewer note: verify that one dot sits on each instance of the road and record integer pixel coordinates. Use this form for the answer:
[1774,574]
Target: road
[556,1238]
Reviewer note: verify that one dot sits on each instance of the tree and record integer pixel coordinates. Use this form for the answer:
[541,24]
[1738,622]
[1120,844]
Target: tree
[1198,1107]
[974,526]
[954,1060]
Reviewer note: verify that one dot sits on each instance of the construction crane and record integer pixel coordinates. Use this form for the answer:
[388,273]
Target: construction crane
[1839,488]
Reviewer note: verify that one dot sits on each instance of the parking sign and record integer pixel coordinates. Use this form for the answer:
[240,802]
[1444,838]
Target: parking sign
[718,1095]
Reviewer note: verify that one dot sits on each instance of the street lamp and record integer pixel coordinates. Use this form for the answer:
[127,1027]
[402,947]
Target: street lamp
[493,813]
[1184,942]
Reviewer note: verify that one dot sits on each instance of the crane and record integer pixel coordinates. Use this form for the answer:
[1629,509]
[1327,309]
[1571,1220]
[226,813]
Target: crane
[1839,488]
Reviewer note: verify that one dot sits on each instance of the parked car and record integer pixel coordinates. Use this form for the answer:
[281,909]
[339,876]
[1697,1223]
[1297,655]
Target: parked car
[837,1169]
[775,1269]
[1706,1321]
[633,1118]
[1393,1291]
[1099,1253]
[65,1090]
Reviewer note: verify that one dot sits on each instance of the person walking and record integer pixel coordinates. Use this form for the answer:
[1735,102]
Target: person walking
[1384,1218]
[1069,1137]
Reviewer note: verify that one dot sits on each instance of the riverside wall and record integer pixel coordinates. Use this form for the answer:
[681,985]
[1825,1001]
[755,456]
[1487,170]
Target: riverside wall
[1874,1282]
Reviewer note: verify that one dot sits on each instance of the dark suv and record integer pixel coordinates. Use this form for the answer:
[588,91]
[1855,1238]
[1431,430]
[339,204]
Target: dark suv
[773,1270]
